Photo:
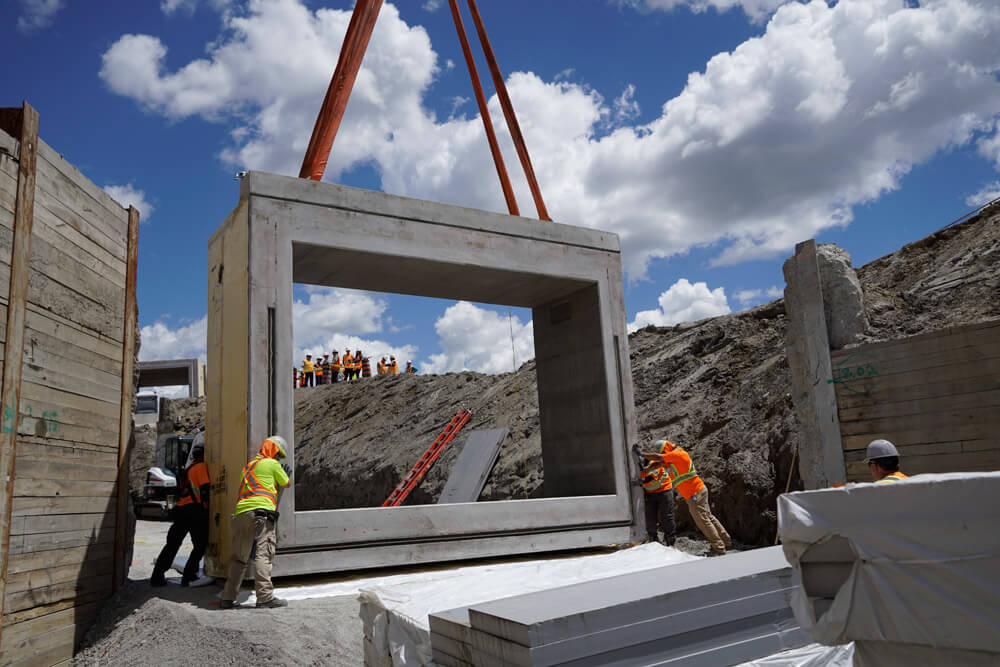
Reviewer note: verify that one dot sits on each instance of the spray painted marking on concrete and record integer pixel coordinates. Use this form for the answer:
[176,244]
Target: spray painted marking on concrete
[47,421]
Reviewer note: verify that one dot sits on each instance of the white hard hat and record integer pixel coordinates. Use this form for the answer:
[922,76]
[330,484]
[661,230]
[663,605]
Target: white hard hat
[880,448]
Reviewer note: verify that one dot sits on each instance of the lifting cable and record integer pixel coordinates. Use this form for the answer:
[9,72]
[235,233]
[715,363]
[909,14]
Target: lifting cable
[352,53]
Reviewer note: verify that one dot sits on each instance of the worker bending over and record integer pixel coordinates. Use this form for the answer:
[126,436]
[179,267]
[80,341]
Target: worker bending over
[254,519]
[686,481]
[189,516]
[882,458]
[659,502]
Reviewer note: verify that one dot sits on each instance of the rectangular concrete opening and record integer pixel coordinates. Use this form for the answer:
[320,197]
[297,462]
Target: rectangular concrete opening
[286,231]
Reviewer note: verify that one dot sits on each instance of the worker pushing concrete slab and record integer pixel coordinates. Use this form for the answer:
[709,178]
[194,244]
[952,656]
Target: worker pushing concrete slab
[287,230]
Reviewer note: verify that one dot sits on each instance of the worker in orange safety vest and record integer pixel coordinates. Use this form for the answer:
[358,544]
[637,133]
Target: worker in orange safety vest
[686,481]
[189,516]
[882,458]
[334,367]
[659,502]
[254,519]
[356,365]
[393,368]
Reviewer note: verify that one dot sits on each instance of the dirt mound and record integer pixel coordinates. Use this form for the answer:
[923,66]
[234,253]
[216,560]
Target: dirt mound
[184,416]
[141,460]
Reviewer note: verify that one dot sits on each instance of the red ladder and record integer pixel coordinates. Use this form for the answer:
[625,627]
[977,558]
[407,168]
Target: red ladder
[426,461]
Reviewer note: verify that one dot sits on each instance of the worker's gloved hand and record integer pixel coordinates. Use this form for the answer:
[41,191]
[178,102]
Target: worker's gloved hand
[287,469]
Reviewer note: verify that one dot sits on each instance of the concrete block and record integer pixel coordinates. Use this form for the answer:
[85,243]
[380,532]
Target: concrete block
[473,466]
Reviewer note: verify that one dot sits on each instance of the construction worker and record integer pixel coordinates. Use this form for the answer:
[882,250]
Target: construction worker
[309,370]
[348,366]
[410,368]
[393,368]
[882,458]
[189,516]
[254,524]
[334,367]
[356,365]
[324,368]
[659,502]
[686,481]
[380,367]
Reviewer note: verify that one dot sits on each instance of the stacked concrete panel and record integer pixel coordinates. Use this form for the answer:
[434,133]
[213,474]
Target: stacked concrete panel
[906,570]
[67,312]
[719,611]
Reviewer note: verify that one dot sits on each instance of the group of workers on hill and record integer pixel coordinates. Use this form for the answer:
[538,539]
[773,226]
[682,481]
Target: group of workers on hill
[328,370]
[670,467]
[256,514]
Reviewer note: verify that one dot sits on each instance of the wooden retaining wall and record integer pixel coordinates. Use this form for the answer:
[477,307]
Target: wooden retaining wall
[935,396]
[67,303]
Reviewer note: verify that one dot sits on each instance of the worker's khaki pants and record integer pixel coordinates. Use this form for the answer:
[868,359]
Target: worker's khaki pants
[709,526]
[247,527]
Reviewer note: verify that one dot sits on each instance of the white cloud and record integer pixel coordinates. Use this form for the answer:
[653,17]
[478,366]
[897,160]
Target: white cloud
[771,143]
[432,5]
[749,297]
[476,339]
[988,193]
[329,311]
[129,195]
[626,108]
[169,7]
[159,342]
[683,302]
[757,10]
[37,14]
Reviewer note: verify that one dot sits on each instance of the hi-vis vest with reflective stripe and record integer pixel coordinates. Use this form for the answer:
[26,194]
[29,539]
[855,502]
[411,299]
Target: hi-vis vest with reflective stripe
[892,477]
[250,486]
[307,366]
[656,480]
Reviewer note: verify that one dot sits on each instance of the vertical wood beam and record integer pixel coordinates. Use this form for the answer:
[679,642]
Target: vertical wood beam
[128,392]
[20,260]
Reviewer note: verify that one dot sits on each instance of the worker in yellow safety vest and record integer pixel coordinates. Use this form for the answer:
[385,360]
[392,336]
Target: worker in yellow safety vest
[356,365]
[309,370]
[380,367]
[254,522]
[393,368]
[189,516]
[659,502]
[347,364]
[686,481]
[882,458]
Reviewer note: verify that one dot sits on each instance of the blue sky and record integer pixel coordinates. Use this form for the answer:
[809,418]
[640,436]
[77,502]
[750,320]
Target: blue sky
[711,135]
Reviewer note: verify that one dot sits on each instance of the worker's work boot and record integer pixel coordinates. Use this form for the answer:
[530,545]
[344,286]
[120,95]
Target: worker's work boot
[157,580]
[273,603]
[228,604]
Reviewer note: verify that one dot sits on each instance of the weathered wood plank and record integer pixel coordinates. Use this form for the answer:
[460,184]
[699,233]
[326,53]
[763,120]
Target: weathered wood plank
[57,592]
[907,406]
[10,147]
[90,313]
[39,449]
[932,418]
[51,370]
[11,387]
[60,523]
[912,342]
[63,350]
[67,185]
[91,567]
[62,488]
[34,469]
[950,447]
[78,617]
[929,434]
[32,542]
[42,610]
[33,656]
[69,434]
[892,385]
[863,364]
[78,409]
[71,235]
[72,334]
[34,505]
[48,560]
[931,390]
[130,326]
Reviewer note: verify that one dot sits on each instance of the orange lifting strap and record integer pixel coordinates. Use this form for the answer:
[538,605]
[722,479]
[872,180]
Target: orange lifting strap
[352,52]
[425,462]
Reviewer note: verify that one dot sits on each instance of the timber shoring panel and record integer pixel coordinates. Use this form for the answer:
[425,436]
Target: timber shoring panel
[935,396]
[71,349]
